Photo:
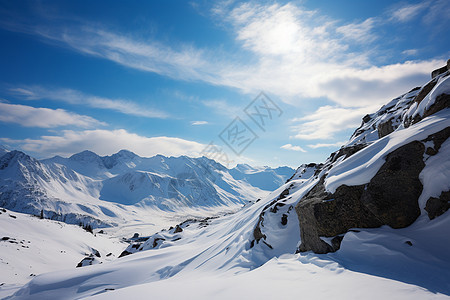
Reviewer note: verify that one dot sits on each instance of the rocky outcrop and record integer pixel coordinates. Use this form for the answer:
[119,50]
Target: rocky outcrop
[442,102]
[385,128]
[438,206]
[441,70]
[390,198]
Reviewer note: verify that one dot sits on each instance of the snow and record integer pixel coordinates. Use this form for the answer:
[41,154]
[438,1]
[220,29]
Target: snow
[287,277]
[36,246]
[216,261]
[442,87]
[362,166]
[435,176]
[125,189]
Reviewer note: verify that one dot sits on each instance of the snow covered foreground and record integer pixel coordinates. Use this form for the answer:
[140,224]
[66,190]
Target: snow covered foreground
[216,258]
[224,258]
[30,246]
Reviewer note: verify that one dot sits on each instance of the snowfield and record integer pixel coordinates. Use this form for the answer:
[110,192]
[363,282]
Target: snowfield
[30,246]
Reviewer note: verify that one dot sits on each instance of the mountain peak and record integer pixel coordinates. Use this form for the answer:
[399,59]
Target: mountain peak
[14,156]
[125,153]
[84,154]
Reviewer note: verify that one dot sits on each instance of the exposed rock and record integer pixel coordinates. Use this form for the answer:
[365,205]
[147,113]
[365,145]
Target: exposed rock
[323,214]
[385,128]
[346,151]
[95,252]
[439,71]
[442,101]
[284,219]
[124,253]
[438,138]
[257,234]
[87,261]
[393,192]
[425,90]
[389,198]
[438,206]
[155,241]
[178,229]
[283,194]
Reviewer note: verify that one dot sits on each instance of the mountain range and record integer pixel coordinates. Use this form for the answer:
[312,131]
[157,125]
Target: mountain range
[110,190]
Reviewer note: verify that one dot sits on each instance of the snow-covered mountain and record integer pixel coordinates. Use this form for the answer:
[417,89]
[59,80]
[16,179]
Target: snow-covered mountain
[111,190]
[370,222]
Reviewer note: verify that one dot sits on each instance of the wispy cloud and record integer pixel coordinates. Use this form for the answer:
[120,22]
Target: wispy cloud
[410,52]
[360,32]
[199,123]
[407,12]
[437,14]
[292,148]
[324,145]
[223,107]
[106,142]
[326,121]
[75,97]
[28,116]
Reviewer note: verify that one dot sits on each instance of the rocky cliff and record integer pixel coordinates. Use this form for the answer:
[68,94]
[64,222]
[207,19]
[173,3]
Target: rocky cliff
[384,174]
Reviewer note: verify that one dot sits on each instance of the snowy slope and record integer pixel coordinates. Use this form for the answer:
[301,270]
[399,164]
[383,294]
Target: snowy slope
[30,246]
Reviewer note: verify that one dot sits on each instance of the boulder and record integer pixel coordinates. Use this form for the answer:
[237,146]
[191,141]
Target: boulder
[385,128]
[438,206]
[390,198]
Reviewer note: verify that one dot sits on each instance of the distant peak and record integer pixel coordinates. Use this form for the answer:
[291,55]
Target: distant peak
[14,155]
[126,153]
[85,155]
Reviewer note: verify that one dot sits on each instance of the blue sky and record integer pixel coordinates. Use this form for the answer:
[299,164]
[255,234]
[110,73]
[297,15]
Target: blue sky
[169,77]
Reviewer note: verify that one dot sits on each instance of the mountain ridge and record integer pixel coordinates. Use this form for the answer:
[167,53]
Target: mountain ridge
[82,187]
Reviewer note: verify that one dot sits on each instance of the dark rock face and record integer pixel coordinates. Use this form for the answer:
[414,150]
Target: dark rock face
[178,229]
[439,71]
[385,128]
[346,152]
[442,102]
[438,206]
[393,192]
[389,198]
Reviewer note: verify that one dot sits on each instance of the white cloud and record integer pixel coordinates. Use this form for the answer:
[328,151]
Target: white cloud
[43,117]
[302,54]
[289,51]
[223,107]
[293,148]
[106,142]
[410,52]
[407,12]
[437,14]
[323,145]
[78,98]
[361,32]
[326,121]
[199,123]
